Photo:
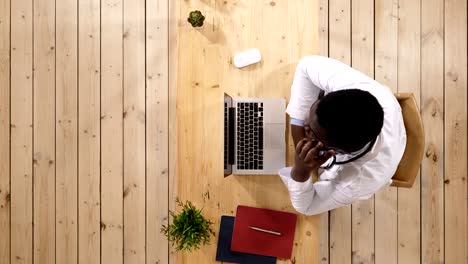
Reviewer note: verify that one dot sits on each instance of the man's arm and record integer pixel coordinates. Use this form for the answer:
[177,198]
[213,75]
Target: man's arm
[315,75]
[328,74]
[298,133]
[310,199]
[297,126]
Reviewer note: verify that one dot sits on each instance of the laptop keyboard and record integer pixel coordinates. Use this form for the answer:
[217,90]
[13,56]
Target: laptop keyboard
[249,136]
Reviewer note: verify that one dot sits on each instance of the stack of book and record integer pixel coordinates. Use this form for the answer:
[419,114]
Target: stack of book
[256,235]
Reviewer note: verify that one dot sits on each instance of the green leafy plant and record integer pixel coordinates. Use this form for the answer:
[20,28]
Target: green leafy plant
[189,229]
[196,18]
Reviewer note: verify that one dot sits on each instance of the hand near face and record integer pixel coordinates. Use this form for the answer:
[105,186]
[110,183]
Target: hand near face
[307,158]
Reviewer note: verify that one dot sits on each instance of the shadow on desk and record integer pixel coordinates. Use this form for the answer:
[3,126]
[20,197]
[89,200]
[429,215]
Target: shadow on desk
[265,190]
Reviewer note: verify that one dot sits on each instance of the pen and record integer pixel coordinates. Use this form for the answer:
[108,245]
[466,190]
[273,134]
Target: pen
[264,230]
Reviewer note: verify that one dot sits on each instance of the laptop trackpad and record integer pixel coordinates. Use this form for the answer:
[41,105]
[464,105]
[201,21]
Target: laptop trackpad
[274,136]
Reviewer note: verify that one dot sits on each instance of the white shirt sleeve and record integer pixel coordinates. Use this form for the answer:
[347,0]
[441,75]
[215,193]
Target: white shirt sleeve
[316,73]
[297,122]
[309,198]
[303,93]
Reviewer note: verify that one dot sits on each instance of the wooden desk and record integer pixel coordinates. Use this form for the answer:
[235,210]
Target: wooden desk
[283,31]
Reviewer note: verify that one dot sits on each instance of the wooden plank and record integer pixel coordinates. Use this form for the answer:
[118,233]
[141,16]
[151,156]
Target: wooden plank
[432,101]
[299,37]
[67,132]
[196,79]
[339,30]
[386,43]
[324,230]
[362,18]
[386,226]
[386,54]
[174,13]
[112,132]
[44,131]
[5,131]
[89,132]
[324,238]
[323,27]
[340,49]
[134,132]
[21,132]
[409,224]
[157,114]
[456,236]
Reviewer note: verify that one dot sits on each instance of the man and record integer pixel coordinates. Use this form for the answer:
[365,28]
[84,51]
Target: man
[354,136]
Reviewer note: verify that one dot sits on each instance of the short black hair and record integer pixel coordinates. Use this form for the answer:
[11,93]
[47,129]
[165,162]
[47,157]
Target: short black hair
[352,118]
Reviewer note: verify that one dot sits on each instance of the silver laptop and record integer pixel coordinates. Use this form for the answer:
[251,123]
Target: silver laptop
[254,136]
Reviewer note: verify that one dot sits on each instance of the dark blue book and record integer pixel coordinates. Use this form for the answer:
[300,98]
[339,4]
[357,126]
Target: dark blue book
[224,252]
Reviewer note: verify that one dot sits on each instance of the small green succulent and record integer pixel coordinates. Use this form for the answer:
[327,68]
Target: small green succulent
[196,18]
[189,229]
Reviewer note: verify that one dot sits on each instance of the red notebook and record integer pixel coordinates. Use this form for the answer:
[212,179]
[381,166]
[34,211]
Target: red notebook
[247,240]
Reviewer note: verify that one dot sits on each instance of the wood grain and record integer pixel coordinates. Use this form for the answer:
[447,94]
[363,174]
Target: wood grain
[134,132]
[157,129]
[173,46]
[432,111]
[66,129]
[455,78]
[386,70]
[340,49]
[363,60]
[323,27]
[204,56]
[21,132]
[44,131]
[324,245]
[111,132]
[409,221]
[5,131]
[89,170]
[46,32]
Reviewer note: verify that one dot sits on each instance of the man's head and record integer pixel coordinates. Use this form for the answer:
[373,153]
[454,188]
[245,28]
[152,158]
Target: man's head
[345,120]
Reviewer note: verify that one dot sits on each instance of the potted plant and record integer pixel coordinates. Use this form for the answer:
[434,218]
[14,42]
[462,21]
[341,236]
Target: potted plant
[196,18]
[189,228]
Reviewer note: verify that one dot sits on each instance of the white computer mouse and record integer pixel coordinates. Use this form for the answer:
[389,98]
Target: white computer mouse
[247,58]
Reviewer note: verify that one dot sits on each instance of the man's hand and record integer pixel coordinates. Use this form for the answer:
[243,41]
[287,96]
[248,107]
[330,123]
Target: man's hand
[307,159]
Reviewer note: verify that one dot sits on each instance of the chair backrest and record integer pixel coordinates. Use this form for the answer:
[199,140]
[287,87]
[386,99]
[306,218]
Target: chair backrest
[412,157]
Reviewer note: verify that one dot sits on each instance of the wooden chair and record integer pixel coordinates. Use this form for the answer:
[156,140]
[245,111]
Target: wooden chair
[412,157]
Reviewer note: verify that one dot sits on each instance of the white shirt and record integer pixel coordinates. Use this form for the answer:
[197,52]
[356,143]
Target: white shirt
[360,179]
